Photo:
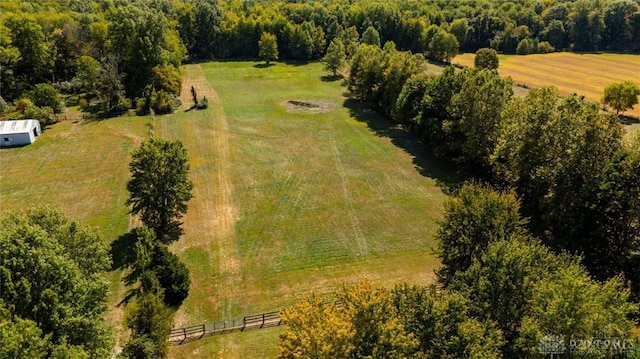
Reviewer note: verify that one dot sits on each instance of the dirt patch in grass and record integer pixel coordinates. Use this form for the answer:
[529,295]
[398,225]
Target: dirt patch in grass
[307,106]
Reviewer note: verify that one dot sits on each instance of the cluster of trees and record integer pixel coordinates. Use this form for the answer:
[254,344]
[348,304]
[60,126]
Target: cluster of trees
[109,52]
[567,160]
[53,293]
[159,191]
[501,293]
[123,54]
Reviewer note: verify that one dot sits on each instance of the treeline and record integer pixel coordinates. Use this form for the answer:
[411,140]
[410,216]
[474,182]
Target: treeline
[125,54]
[578,180]
[53,290]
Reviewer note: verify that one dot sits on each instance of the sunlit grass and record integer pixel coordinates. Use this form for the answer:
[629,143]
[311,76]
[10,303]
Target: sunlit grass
[309,200]
[584,74]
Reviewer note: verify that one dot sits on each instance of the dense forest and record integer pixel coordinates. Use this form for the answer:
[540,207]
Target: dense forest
[118,51]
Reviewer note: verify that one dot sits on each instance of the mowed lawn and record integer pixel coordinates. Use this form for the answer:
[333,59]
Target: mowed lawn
[289,201]
[82,168]
[586,74]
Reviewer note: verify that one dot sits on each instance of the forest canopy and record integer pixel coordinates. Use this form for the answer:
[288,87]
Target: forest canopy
[110,48]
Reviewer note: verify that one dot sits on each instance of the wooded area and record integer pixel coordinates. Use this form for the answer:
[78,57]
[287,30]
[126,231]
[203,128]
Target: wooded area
[124,54]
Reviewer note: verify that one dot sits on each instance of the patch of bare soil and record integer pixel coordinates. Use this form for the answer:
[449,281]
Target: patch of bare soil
[307,106]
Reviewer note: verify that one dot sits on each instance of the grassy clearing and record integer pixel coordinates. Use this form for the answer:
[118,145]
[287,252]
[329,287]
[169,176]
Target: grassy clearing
[586,74]
[82,168]
[315,199]
[286,202]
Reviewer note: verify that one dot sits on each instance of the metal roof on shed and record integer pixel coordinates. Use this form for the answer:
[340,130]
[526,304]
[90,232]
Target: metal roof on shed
[17,126]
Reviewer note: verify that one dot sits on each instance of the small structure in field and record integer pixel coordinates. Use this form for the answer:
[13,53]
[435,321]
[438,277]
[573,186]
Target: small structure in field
[19,132]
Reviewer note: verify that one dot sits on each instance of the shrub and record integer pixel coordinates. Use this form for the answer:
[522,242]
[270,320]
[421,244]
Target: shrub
[486,58]
[123,104]
[66,87]
[545,47]
[45,95]
[83,103]
[166,78]
[164,102]
[72,100]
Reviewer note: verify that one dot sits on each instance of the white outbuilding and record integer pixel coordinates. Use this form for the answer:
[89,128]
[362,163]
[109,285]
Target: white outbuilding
[19,132]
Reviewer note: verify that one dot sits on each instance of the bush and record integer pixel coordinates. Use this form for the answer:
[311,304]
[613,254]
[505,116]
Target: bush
[45,95]
[486,58]
[527,46]
[141,347]
[66,87]
[173,276]
[123,104]
[72,100]
[164,102]
[545,48]
[166,78]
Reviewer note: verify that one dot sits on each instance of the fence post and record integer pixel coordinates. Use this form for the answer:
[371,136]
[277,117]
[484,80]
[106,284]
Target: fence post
[184,335]
[203,331]
[244,324]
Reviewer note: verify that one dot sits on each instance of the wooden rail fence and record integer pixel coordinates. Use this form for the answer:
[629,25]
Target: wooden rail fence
[179,336]
[188,334]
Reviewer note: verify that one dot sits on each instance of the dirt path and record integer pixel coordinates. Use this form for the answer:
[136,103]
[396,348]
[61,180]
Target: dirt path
[210,221]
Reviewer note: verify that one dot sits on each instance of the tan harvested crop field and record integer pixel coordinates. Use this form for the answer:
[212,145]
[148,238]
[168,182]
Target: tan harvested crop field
[586,74]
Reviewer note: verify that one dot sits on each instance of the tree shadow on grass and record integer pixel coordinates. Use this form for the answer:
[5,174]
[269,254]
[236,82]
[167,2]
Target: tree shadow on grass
[629,120]
[330,78]
[424,160]
[122,251]
[263,65]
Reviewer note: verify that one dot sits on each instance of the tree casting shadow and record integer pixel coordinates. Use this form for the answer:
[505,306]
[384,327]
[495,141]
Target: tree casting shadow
[425,162]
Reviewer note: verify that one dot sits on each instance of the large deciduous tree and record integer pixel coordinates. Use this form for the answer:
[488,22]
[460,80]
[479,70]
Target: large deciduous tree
[268,47]
[443,46]
[551,149]
[335,59]
[34,63]
[370,36]
[88,75]
[529,291]
[440,320]
[143,39]
[52,293]
[367,327]
[160,188]
[474,219]
[486,58]
[621,96]
[475,121]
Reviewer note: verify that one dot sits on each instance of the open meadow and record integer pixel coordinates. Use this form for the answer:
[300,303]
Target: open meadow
[289,198]
[586,74]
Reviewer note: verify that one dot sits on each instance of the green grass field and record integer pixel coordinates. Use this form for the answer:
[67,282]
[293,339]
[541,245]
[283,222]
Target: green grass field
[288,200]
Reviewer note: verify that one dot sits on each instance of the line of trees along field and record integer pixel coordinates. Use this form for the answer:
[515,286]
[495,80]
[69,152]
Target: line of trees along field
[124,54]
